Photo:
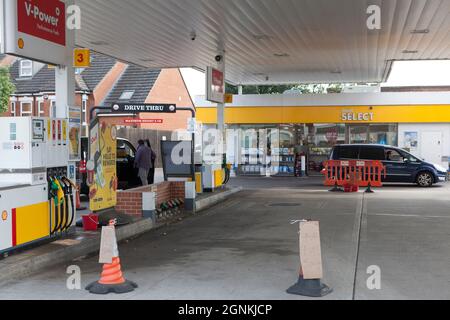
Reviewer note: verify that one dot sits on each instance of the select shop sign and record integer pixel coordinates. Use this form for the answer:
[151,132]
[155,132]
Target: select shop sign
[143,108]
[350,116]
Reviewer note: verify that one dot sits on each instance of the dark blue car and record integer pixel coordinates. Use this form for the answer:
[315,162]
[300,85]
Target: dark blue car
[401,166]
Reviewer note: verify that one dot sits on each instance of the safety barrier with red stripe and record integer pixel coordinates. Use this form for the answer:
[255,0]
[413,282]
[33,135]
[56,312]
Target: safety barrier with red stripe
[355,172]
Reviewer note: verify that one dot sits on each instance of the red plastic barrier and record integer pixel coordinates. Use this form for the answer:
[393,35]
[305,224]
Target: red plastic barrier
[354,172]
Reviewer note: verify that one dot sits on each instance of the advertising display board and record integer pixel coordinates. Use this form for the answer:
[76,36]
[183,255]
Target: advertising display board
[174,154]
[102,171]
[215,85]
[34,29]
[74,134]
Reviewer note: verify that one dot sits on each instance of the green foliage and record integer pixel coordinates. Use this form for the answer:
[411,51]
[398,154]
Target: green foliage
[280,89]
[7,88]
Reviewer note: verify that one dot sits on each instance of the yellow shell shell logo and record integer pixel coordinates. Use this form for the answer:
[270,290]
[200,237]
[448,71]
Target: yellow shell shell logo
[21,43]
[4,215]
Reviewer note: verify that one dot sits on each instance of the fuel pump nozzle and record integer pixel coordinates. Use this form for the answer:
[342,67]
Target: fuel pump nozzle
[69,187]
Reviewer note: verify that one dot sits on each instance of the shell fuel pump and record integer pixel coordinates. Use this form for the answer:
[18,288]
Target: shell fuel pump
[36,197]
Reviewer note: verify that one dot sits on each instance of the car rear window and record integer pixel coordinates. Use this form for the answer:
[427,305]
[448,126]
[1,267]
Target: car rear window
[372,153]
[348,152]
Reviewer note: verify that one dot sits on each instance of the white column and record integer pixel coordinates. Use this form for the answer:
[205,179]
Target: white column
[240,90]
[65,77]
[221,106]
[65,90]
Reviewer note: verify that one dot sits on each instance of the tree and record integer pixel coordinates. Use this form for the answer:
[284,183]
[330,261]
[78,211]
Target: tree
[7,88]
[280,89]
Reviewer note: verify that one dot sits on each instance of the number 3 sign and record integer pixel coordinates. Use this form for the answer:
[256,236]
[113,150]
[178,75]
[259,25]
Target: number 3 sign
[81,58]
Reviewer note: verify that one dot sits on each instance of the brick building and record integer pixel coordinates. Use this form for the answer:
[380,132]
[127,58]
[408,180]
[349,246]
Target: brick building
[107,81]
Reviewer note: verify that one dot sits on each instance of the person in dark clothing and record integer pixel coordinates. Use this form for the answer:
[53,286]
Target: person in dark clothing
[143,161]
[151,175]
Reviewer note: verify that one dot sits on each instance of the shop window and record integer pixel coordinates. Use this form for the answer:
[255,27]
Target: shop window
[386,134]
[26,68]
[372,153]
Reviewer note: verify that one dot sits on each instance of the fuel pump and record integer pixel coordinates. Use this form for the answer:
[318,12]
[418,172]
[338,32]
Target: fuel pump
[36,195]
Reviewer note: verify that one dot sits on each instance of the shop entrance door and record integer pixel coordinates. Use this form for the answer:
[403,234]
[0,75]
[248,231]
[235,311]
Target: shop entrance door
[358,134]
[432,146]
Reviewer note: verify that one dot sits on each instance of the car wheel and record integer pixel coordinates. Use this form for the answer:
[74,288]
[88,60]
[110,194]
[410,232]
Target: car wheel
[425,179]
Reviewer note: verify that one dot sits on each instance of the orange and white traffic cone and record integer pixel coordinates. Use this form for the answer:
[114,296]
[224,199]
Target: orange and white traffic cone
[78,200]
[111,279]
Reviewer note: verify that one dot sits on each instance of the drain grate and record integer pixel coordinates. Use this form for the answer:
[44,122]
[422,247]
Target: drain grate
[284,204]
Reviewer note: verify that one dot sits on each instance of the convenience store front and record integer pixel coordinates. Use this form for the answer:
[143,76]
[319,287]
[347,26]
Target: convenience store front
[268,138]
[277,145]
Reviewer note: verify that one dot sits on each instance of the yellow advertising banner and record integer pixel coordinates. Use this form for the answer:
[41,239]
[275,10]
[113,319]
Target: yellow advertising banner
[328,114]
[102,171]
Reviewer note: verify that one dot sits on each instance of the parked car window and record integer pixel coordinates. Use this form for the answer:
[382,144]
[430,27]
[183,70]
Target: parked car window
[410,157]
[393,155]
[124,150]
[372,153]
[348,152]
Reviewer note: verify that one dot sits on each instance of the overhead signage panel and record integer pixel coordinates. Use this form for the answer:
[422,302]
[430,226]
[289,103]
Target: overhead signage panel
[81,58]
[44,19]
[143,108]
[215,85]
[34,29]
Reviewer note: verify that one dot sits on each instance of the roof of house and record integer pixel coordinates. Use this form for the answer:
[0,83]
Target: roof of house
[100,66]
[42,81]
[134,78]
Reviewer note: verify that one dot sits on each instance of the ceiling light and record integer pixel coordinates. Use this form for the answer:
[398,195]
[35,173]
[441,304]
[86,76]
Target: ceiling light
[99,43]
[420,31]
[281,55]
[147,60]
[410,51]
[337,71]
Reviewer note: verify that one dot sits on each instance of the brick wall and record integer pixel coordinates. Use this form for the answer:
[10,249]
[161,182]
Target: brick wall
[130,201]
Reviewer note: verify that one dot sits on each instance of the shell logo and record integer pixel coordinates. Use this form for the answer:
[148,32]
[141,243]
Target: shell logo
[21,43]
[4,215]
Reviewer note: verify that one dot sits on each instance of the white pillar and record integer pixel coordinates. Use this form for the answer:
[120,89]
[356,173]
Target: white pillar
[221,106]
[65,77]
[240,90]
[65,90]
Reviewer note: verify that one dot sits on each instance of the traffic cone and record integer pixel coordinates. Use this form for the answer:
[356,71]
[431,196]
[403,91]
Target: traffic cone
[112,279]
[78,200]
[309,288]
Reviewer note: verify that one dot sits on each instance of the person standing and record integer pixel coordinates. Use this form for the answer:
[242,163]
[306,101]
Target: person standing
[143,161]
[151,176]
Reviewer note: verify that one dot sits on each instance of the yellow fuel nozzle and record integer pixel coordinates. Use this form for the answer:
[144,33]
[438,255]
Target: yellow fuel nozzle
[59,192]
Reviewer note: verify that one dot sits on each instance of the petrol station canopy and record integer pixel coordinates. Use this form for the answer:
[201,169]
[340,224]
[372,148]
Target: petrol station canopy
[269,41]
